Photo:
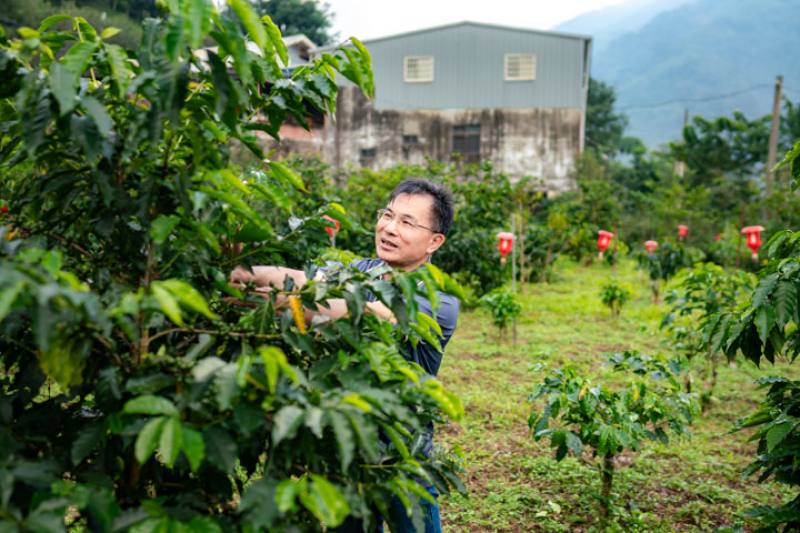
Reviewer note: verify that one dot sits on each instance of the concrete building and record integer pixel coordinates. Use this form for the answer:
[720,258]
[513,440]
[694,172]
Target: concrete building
[515,97]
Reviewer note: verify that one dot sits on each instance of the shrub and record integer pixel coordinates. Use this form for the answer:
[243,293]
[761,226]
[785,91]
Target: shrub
[767,326]
[702,292]
[577,414]
[504,307]
[665,262]
[615,296]
[137,388]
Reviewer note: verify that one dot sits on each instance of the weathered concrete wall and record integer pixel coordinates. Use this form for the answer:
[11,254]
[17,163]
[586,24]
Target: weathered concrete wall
[543,143]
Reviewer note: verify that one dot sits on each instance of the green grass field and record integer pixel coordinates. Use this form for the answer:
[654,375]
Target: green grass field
[515,484]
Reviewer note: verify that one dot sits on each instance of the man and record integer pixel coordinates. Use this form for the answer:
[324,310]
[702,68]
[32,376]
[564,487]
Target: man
[408,231]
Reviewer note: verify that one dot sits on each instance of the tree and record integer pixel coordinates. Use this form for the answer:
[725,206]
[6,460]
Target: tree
[790,124]
[137,388]
[604,126]
[309,17]
[729,148]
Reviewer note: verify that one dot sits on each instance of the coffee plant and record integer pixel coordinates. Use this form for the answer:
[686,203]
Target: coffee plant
[766,327]
[662,264]
[701,293]
[138,390]
[503,306]
[614,296]
[575,414]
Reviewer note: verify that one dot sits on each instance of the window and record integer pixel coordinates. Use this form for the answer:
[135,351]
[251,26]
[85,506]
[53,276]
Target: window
[417,69]
[467,142]
[410,139]
[520,67]
[367,154]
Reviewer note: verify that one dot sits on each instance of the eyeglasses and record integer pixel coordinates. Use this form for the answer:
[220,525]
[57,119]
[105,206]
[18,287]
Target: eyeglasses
[404,222]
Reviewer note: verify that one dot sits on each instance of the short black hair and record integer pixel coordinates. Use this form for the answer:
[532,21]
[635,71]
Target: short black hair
[442,200]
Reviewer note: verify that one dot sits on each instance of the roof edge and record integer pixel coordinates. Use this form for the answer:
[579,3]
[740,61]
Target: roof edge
[482,25]
[464,23]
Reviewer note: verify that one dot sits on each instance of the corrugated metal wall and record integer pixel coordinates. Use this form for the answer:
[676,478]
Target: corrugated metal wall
[468,69]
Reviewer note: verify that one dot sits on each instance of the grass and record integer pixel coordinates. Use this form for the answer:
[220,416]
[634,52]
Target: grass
[515,484]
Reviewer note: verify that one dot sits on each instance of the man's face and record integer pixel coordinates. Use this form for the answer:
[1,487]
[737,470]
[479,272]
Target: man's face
[403,237]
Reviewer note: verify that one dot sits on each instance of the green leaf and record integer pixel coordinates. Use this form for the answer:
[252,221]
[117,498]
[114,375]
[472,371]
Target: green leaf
[325,501]
[77,58]
[109,32]
[574,443]
[193,447]
[220,449]
[274,359]
[785,302]
[398,441]
[120,67]
[368,86]
[274,194]
[85,30]
[86,441]
[286,175]
[345,439]
[226,386]
[169,305]
[202,524]
[174,39]
[162,226]
[150,405]
[99,115]
[274,35]
[764,289]
[777,434]
[286,422]
[52,20]
[62,85]
[188,296]
[147,440]
[429,323]
[8,297]
[286,493]
[250,21]
[206,368]
[314,421]
[764,320]
[448,402]
[197,20]
[170,442]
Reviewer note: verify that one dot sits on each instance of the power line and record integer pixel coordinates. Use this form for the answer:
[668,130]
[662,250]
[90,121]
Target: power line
[700,99]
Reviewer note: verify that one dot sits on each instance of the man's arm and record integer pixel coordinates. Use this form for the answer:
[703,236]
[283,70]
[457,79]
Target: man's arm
[267,278]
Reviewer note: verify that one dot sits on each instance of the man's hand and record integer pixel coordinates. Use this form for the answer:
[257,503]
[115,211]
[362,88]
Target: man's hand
[240,276]
[267,278]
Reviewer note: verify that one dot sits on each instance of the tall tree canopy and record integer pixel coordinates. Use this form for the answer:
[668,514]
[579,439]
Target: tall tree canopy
[604,125]
[309,17]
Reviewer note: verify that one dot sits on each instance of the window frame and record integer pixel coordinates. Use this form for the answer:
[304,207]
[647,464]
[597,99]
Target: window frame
[406,78]
[519,55]
[467,136]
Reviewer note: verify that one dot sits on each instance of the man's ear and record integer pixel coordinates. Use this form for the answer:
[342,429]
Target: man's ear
[436,242]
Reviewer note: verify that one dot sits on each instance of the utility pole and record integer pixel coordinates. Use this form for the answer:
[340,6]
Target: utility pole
[772,155]
[680,166]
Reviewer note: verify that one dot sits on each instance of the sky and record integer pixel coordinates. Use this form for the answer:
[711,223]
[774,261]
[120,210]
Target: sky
[367,19]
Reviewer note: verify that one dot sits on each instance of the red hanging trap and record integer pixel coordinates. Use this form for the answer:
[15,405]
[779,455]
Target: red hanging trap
[603,240]
[753,235]
[505,243]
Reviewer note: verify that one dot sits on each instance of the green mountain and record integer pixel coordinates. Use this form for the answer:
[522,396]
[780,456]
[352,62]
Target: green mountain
[708,56]
[605,25]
